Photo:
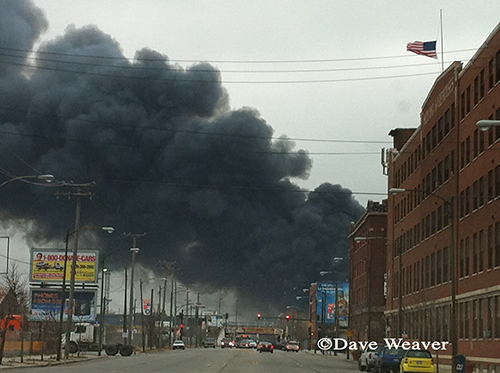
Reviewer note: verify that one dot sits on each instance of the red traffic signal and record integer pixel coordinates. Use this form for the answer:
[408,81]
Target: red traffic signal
[287,317]
[259,315]
[182,326]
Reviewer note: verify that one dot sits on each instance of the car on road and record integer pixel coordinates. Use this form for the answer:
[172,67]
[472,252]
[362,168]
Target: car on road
[244,343]
[252,343]
[178,345]
[265,346]
[209,342]
[226,342]
[292,346]
[368,358]
[389,359]
[417,361]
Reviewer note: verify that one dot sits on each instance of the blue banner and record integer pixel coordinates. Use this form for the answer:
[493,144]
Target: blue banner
[46,305]
[328,296]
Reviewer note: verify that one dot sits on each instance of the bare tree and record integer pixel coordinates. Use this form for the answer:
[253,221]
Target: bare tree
[14,302]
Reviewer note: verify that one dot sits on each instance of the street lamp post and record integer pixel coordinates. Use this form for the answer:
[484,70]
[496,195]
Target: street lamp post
[449,204]
[47,177]
[485,124]
[134,251]
[101,319]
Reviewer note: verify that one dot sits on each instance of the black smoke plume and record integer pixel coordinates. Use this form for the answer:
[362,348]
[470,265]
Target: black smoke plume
[169,157]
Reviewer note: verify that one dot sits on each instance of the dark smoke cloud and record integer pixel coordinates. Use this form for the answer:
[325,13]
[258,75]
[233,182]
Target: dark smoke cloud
[169,158]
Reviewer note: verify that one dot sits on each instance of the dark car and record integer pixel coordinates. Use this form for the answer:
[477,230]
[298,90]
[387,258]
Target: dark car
[244,343]
[226,342]
[265,346]
[389,359]
[209,342]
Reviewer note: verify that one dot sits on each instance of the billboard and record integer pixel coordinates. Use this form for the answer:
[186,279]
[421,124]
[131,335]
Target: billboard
[329,295]
[46,304]
[47,265]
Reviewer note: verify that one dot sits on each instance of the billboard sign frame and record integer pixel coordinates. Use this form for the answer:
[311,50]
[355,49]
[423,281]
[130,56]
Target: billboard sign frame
[47,266]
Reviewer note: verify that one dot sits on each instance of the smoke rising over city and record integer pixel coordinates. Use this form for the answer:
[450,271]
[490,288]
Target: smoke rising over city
[212,186]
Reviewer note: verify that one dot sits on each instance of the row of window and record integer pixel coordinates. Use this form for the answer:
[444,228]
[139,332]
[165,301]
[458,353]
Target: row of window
[470,151]
[477,319]
[476,254]
[430,141]
[427,272]
[427,227]
[467,99]
[482,191]
[432,181]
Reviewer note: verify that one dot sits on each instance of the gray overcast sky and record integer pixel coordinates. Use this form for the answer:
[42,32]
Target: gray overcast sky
[354,104]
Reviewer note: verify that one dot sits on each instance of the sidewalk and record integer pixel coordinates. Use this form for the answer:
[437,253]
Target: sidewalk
[48,360]
[340,356]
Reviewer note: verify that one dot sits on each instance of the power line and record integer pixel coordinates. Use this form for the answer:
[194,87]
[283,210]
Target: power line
[204,133]
[180,69]
[218,81]
[226,61]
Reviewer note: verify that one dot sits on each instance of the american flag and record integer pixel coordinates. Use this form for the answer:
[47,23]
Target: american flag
[427,48]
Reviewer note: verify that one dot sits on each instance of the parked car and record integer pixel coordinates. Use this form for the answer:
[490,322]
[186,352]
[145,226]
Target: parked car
[292,346]
[417,361]
[226,342]
[178,345]
[389,359]
[265,346]
[368,358]
[209,342]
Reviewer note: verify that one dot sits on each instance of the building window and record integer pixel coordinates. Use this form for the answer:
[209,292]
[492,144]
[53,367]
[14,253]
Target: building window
[475,253]
[476,90]
[462,259]
[445,265]
[475,195]
[467,150]
[497,316]
[433,269]
[489,325]
[476,143]
[481,186]
[467,200]
[466,320]
[481,84]
[462,105]
[480,244]
[467,100]
[467,256]
[490,247]
[474,319]
[497,57]
[439,265]
[497,245]
[490,186]
[491,74]
[497,181]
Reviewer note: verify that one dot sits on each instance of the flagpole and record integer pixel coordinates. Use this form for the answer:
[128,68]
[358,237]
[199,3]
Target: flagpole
[442,48]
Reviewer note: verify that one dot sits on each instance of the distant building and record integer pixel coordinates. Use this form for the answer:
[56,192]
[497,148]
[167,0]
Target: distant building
[448,162]
[367,252]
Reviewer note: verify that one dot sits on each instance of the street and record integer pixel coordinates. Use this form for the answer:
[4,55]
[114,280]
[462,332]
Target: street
[209,361]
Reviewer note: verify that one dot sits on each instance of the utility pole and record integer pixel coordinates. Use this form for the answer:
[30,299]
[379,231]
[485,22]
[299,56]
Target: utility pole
[79,191]
[142,322]
[124,334]
[134,250]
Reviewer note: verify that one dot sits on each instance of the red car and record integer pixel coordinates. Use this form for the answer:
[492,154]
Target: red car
[265,346]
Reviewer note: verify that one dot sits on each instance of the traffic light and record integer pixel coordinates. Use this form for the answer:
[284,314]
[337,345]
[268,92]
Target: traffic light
[259,315]
[287,317]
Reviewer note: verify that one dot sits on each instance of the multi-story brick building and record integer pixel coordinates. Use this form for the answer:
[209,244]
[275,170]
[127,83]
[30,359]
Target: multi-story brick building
[367,252]
[451,209]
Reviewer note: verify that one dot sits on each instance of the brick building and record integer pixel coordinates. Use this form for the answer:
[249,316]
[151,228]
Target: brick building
[451,172]
[367,252]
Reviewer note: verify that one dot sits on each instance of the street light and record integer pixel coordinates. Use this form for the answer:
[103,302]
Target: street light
[134,251]
[71,300]
[485,124]
[45,177]
[451,218]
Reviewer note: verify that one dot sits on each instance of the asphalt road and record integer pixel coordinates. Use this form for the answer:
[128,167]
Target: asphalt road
[201,360]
